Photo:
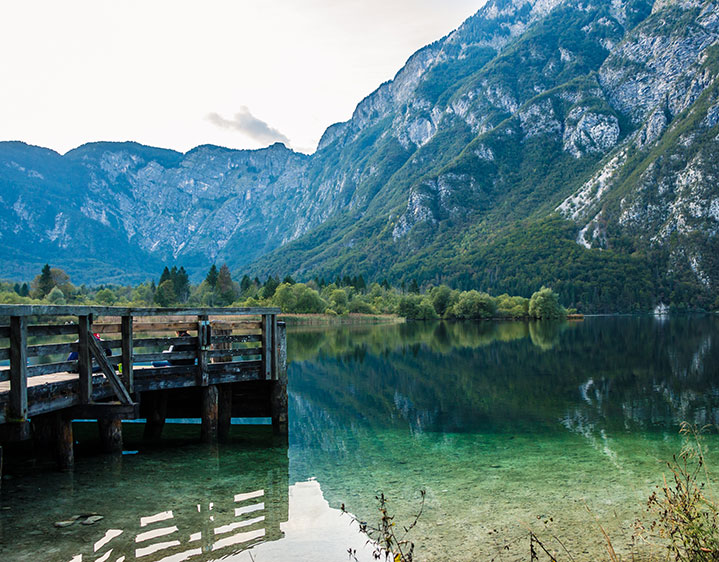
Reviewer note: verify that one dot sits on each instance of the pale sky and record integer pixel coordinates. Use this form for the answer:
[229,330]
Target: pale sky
[180,73]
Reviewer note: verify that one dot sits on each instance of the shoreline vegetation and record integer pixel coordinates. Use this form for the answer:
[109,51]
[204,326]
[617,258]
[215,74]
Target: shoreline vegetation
[345,300]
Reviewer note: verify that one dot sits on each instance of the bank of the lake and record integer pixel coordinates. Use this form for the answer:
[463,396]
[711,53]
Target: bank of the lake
[504,424]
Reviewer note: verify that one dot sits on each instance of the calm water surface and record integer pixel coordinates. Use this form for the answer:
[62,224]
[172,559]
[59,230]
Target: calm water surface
[507,426]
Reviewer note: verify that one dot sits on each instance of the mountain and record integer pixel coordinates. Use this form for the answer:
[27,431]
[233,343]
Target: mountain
[119,211]
[557,142]
[542,142]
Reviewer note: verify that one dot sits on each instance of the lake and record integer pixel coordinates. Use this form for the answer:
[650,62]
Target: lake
[554,427]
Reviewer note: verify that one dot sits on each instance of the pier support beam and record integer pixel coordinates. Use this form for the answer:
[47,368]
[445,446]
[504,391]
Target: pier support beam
[224,412]
[278,396]
[210,411]
[155,414]
[110,430]
[52,434]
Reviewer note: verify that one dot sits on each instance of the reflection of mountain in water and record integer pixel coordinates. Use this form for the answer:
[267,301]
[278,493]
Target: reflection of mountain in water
[617,373]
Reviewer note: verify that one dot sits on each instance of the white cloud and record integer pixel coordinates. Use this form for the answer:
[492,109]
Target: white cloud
[246,123]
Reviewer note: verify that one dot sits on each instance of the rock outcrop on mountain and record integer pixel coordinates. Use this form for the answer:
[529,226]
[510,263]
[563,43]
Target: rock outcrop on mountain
[542,142]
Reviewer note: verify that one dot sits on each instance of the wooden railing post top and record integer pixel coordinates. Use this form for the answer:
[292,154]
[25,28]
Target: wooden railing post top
[71,310]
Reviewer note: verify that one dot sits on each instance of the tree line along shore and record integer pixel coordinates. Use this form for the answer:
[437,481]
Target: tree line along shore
[340,297]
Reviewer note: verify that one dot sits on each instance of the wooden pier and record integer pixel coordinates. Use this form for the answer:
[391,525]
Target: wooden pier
[112,363]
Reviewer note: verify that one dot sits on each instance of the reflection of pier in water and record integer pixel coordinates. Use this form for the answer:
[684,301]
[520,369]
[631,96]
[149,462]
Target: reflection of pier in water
[212,530]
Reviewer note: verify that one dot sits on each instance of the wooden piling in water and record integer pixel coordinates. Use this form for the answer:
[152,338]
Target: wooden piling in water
[156,413]
[224,412]
[278,397]
[210,407]
[110,430]
[52,434]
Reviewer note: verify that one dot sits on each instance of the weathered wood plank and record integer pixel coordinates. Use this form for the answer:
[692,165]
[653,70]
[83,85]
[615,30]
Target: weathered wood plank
[248,351]
[127,352]
[242,325]
[99,355]
[164,356]
[237,339]
[18,368]
[235,367]
[50,368]
[163,342]
[5,353]
[164,372]
[50,349]
[116,328]
[38,330]
[97,410]
[70,310]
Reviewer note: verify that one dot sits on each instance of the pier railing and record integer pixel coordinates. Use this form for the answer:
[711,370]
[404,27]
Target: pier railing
[107,348]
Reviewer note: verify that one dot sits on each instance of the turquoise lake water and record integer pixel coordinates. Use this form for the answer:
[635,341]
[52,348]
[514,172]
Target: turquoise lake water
[506,426]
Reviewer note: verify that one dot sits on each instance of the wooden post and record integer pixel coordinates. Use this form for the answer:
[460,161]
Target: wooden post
[268,327]
[204,337]
[127,368]
[65,442]
[278,397]
[18,368]
[157,405]
[84,365]
[209,414]
[110,430]
[52,434]
[224,412]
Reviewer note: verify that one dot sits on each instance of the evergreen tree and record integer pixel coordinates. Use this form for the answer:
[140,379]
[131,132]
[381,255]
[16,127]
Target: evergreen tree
[360,284]
[24,290]
[245,284]
[182,285]
[212,276]
[414,287]
[164,277]
[270,287]
[225,287]
[44,282]
[288,280]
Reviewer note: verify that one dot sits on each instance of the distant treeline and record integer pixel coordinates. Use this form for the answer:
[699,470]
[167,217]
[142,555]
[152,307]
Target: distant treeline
[317,296]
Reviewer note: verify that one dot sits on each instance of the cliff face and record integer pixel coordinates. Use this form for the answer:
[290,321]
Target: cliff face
[591,124]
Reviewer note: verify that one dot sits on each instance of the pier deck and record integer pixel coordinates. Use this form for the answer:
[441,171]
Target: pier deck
[109,363]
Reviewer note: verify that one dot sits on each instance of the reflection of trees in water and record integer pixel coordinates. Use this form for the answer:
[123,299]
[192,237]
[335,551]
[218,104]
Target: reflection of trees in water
[600,375]
[440,337]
